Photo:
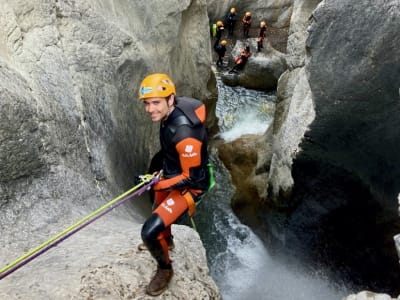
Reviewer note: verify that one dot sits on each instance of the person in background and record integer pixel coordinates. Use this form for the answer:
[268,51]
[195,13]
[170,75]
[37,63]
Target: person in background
[183,159]
[231,20]
[220,30]
[261,35]
[221,50]
[246,21]
[241,59]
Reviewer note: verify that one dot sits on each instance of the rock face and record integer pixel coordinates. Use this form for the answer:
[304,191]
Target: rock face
[245,158]
[275,12]
[98,264]
[352,94]
[335,133]
[72,132]
[294,109]
[354,78]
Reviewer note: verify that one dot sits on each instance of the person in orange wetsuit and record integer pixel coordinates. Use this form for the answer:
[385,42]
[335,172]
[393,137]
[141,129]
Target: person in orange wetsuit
[246,21]
[185,175]
[241,59]
[261,35]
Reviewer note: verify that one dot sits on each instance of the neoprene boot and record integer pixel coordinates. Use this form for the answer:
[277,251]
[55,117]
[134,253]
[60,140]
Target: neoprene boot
[160,281]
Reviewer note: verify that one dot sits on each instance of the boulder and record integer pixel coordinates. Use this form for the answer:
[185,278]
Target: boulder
[246,159]
[102,262]
[262,70]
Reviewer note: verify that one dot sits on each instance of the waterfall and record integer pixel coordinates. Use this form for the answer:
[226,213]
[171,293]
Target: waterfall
[240,263]
[242,111]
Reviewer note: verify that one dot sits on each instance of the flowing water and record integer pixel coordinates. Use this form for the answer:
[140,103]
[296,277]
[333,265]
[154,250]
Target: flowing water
[239,261]
[242,111]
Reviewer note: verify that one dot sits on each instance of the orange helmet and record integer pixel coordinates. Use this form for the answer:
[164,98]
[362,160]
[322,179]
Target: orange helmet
[156,85]
[233,10]
[224,42]
[220,23]
[248,14]
[263,24]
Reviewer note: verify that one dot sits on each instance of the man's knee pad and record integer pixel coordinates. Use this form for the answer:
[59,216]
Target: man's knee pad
[152,228]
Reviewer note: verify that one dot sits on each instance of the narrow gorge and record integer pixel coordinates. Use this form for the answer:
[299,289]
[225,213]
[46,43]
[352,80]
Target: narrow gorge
[319,185]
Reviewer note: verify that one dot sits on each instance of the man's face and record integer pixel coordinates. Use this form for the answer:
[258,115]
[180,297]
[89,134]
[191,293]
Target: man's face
[157,108]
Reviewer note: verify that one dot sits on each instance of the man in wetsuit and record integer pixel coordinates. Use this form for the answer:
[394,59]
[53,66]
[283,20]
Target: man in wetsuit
[231,20]
[241,59]
[261,35]
[246,21]
[220,31]
[184,157]
[221,50]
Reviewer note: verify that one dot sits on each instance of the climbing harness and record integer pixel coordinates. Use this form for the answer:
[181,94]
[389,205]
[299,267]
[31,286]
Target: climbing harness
[147,181]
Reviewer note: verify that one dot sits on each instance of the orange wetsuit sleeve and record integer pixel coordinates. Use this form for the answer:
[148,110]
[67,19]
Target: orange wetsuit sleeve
[189,150]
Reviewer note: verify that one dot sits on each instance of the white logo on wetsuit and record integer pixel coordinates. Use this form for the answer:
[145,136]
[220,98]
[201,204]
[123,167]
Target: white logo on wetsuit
[188,151]
[166,204]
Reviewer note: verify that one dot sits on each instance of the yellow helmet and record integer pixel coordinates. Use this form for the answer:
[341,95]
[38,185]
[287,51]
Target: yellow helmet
[219,23]
[233,10]
[263,24]
[224,42]
[156,85]
[248,14]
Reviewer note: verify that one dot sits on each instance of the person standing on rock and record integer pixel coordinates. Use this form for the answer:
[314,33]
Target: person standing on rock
[221,50]
[185,174]
[220,30]
[231,20]
[246,21]
[261,35]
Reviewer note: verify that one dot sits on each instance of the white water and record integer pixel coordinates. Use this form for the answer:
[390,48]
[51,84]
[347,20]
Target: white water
[245,124]
[241,265]
[241,111]
[246,270]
